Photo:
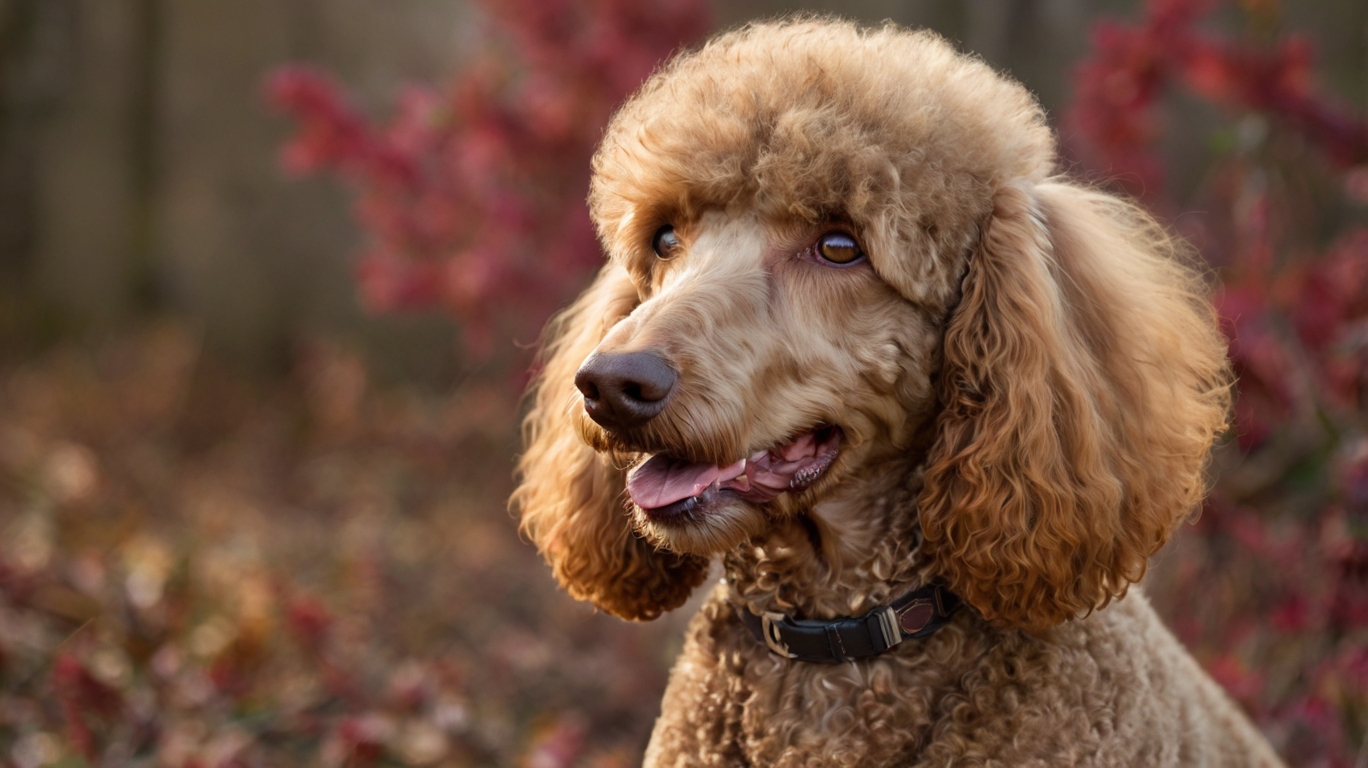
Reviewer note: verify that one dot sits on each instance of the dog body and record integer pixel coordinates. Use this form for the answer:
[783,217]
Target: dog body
[1111,689]
[854,337]
[1114,689]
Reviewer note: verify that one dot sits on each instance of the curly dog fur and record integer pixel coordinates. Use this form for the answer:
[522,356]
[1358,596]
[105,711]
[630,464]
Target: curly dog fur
[1026,373]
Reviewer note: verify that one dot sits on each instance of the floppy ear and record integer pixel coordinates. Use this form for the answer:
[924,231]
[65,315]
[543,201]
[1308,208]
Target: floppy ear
[1084,382]
[571,498]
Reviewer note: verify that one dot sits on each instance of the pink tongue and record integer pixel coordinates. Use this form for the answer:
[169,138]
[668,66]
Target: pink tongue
[663,480]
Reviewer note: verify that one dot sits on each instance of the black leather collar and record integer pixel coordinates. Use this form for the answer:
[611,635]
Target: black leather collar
[916,614]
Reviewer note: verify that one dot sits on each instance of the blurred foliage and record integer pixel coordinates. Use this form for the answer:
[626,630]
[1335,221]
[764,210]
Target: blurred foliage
[202,570]
[1272,592]
[198,569]
[473,194]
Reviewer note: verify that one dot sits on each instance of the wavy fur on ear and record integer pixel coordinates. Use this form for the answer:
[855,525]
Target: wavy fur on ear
[571,499]
[1084,382]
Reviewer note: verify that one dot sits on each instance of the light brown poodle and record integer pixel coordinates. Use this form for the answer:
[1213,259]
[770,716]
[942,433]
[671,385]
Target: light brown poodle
[857,339]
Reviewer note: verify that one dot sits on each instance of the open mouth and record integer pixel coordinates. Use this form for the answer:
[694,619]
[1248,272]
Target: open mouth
[667,487]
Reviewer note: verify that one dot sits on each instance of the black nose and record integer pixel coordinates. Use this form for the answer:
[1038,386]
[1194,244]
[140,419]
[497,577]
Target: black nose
[625,390]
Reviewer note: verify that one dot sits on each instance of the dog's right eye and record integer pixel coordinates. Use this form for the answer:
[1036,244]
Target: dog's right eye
[665,243]
[839,248]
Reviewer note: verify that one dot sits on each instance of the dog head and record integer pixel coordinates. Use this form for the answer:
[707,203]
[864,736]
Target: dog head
[824,244]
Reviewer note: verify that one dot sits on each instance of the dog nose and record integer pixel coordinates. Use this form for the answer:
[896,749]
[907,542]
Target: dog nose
[625,390]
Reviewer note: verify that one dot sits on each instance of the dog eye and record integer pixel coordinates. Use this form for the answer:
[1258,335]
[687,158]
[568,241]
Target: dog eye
[665,243]
[839,248]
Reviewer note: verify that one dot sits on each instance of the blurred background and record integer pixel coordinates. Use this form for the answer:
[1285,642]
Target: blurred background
[271,274]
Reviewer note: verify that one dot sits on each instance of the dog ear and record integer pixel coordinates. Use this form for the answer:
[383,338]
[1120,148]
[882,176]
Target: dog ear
[1083,384]
[572,499]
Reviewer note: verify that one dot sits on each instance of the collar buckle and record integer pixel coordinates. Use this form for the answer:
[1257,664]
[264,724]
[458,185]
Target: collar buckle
[888,626]
[769,623]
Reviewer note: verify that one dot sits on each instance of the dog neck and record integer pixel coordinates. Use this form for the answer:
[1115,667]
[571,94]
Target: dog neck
[851,552]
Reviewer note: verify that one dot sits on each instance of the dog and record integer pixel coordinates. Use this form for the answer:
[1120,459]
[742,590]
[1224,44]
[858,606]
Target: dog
[933,405]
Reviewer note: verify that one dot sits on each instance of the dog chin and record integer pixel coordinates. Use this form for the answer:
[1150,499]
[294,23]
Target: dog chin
[712,523]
